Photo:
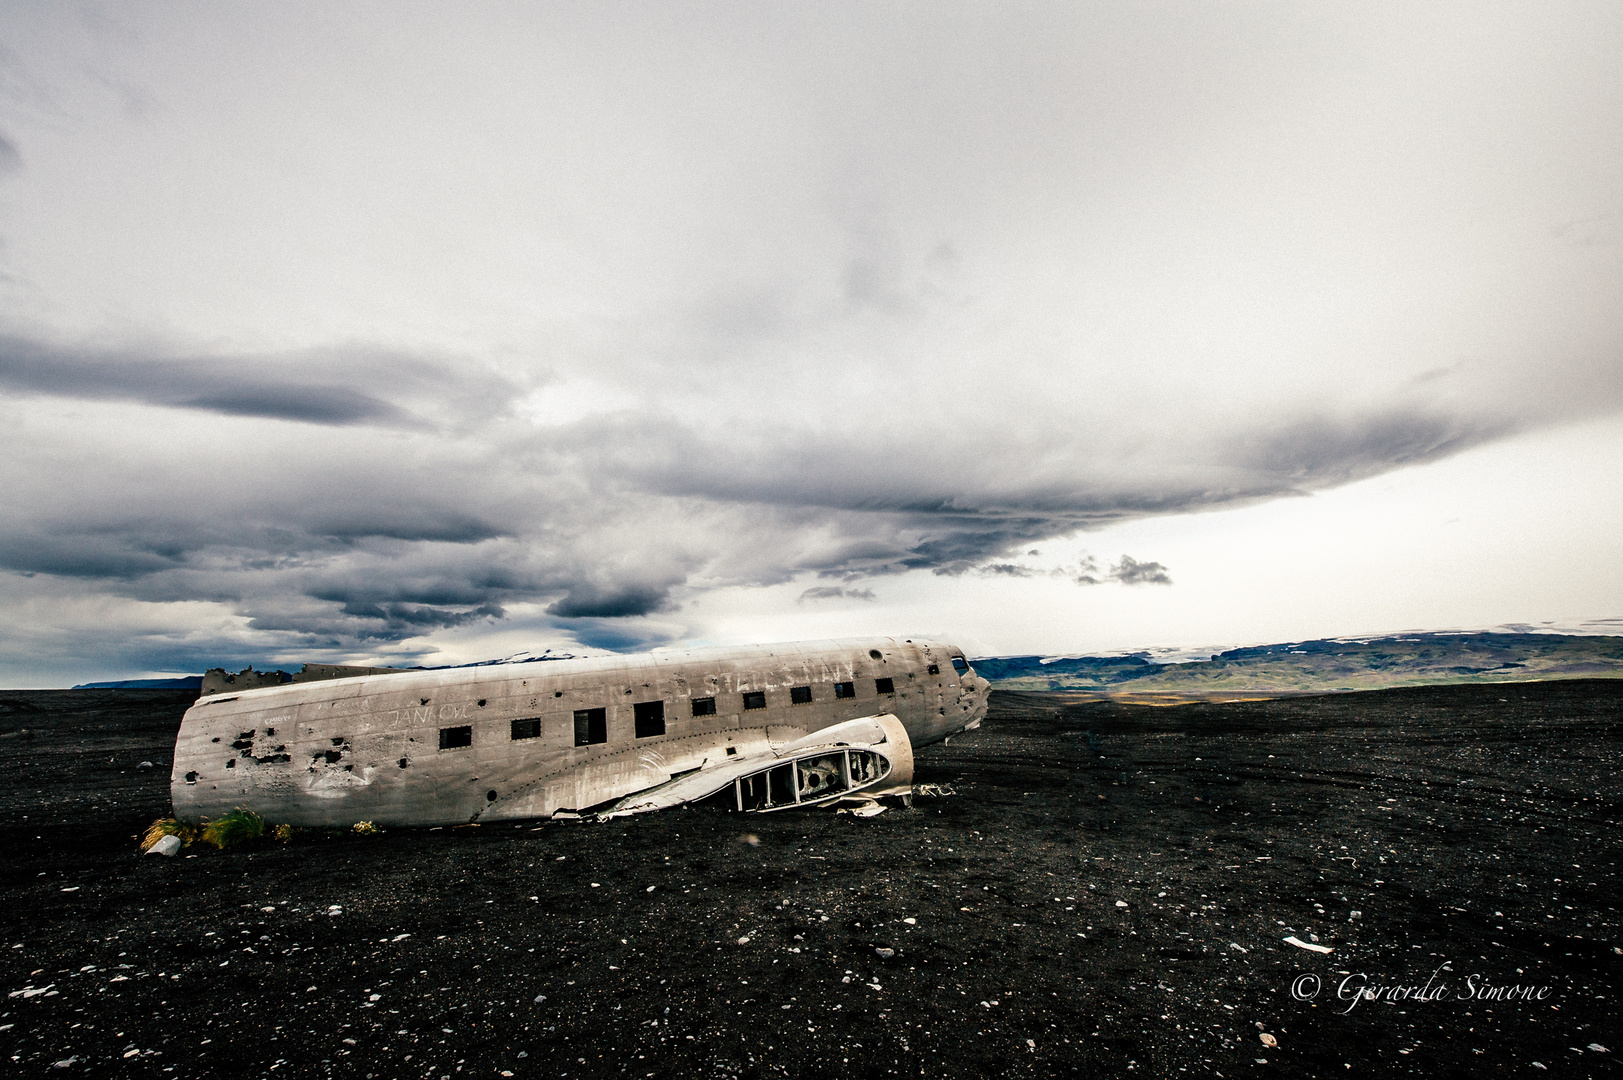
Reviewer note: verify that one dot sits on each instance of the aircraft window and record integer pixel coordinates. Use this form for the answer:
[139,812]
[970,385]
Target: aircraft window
[591,726]
[704,706]
[885,686]
[527,729]
[650,718]
[452,738]
[800,695]
[876,654]
[960,665]
[934,669]
[755,699]
[845,689]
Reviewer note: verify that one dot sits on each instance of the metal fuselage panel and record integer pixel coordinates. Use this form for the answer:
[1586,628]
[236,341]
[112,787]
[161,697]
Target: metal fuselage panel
[370,749]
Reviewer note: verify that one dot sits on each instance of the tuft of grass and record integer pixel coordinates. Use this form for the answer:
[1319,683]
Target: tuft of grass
[233,827]
[168,826]
[283,832]
[366,828]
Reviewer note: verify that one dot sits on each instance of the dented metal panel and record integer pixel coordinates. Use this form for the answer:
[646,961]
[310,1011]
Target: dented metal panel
[500,742]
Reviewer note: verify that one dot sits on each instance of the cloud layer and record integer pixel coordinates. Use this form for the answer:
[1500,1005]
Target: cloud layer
[597,313]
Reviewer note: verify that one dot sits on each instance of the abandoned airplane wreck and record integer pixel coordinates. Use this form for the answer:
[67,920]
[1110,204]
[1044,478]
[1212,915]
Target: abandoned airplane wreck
[761,728]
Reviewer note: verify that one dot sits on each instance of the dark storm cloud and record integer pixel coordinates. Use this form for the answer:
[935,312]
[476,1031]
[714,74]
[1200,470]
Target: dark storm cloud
[1132,572]
[1326,449]
[604,523]
[591,601]
[616,635]
[900,504]
[400,620]
[332,387]
[113,557]
[834,592]
[408,522]
[1006,570]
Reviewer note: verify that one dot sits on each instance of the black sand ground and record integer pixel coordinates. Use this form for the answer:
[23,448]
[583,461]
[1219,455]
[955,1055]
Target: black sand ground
[1475,830]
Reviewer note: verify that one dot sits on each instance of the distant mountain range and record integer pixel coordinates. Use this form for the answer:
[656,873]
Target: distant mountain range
[1302,667]
[1316,667]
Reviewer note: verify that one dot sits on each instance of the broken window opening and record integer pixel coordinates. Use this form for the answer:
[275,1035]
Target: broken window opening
[780,786]
[885,686]
[813,779]
[704,706]
[821,776]
[451,738]
[960,665]
[845,690]
[934,669]
[800,695]
[866,767]
[231,763]
[591,726]
[527,729]
[755,699]
[650,718]
[876,654]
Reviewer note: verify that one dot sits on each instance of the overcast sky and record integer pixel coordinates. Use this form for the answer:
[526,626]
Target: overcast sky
[425,333]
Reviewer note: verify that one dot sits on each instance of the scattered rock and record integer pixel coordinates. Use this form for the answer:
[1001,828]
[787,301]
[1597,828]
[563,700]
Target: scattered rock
[1310,947]
[885,954]
[167,846]
[1268,1040]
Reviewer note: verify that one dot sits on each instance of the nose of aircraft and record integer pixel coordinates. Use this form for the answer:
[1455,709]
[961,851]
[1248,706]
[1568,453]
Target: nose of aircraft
[978,692]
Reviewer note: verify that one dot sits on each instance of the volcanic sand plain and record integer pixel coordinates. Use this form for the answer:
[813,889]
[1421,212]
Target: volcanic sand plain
[1089,888]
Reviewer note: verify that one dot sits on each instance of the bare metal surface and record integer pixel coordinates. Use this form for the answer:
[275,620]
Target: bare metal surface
[220,681]
[335,752]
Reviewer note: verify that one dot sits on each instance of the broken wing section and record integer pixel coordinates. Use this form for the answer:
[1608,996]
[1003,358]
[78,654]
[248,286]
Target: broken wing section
[862,758]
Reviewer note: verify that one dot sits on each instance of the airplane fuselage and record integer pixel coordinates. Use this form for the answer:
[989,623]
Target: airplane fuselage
[522,741]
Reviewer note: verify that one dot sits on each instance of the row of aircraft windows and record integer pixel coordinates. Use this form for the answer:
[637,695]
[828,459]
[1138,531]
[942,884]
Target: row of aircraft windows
[648,717]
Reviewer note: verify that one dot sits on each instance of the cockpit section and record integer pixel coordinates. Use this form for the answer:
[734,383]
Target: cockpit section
[806,781]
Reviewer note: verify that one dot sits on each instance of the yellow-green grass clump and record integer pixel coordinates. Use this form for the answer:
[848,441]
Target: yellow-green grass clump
[233,827]
[168,827]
